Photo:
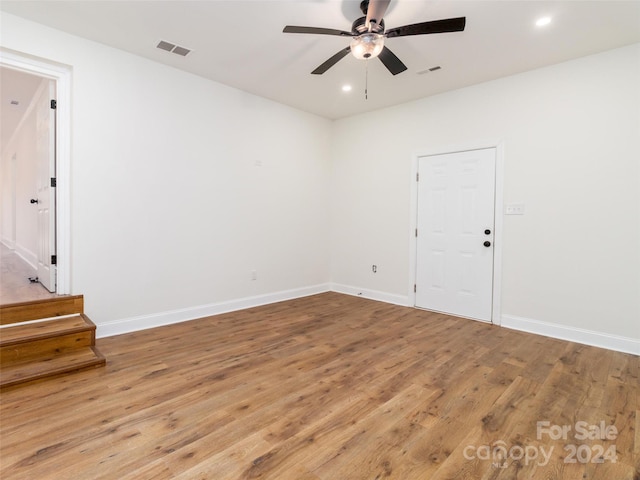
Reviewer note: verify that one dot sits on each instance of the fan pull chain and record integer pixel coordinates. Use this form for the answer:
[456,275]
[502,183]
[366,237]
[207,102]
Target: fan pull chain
[366,79]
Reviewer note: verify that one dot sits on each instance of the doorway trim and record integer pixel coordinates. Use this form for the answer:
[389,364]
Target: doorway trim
[496,310]
[61,74]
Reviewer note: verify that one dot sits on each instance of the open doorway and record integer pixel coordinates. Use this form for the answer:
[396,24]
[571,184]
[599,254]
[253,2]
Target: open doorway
[34,175]
[27,167]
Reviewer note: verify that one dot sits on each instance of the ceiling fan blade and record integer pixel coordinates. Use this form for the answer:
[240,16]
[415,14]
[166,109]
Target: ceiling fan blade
[393,63]
[436,26]
[316,30]
[376,10]
[332,61]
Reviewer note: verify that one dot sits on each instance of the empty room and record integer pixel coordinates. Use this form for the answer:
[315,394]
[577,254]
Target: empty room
[320,240]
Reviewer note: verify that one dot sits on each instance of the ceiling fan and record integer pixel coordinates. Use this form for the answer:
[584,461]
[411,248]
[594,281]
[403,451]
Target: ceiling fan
[368,35]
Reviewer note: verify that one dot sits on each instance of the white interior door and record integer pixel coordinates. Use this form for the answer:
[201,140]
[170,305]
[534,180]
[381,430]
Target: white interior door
[46,197]
[456,203]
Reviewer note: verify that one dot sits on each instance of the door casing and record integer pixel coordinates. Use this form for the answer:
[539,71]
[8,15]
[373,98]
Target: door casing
[498,216]
[61,74]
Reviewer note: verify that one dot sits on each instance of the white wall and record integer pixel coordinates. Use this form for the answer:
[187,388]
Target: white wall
[171,214]
[169,210]
[571,134]
[18,166]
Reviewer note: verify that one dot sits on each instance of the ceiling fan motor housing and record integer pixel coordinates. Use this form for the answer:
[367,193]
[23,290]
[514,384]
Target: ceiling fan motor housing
[359,26]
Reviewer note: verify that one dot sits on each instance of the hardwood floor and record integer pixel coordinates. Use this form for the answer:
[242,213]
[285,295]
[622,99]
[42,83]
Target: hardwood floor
[14,279]
[328,387]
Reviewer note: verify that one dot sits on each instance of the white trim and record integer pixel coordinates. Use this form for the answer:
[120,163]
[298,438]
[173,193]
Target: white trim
[498,212]
[8,242]
[133,324]
[561,332]
[498,222]
[371,294]
[573,334]
[62,76]
[413,224]
[27,255]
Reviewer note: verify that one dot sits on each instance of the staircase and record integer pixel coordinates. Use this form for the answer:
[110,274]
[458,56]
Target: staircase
[61,340]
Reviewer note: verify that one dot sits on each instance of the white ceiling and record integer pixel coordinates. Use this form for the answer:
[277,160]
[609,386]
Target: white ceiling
[14,87]
[240,43]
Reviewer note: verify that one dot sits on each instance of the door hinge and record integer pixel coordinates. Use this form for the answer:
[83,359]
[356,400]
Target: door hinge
[416,232]
[54,260]
[54,104]
[414,288]
[53,182]
[417,176]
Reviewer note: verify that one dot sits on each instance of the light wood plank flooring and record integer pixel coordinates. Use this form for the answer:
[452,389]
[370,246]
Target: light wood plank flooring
[328,387]
[14,279]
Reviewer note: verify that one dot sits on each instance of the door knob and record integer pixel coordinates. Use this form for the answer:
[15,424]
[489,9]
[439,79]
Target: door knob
[487,243]
[33,200]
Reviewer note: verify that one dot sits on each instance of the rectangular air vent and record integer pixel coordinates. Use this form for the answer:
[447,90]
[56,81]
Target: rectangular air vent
[432,69]
[170,47]
[165,46]
[181,51]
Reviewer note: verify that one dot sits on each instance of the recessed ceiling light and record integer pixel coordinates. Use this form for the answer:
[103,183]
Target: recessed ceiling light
[543,21]
[346,88]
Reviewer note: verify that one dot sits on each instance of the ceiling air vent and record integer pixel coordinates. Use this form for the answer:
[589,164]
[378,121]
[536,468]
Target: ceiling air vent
[170,47]
[432,69]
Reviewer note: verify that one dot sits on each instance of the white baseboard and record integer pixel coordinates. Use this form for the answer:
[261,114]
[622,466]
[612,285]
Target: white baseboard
[371,294]
[573,334]
[562,332]
[7,242]
[27,255]
[133,324]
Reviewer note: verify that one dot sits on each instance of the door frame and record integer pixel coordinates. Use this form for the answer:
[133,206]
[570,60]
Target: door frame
[496,309]
[61,75]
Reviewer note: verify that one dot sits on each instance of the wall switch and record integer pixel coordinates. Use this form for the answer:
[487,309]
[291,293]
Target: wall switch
[514,209]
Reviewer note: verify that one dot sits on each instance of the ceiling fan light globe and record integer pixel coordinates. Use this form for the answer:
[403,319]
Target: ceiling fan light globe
[367,45]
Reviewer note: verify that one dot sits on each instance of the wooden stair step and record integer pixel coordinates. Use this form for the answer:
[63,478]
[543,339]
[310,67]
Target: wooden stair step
[32,340]
[46,338]
[37,309]
[13,373]
[43,329]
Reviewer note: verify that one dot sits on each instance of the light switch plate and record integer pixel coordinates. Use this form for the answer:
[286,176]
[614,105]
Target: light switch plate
[514,209]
